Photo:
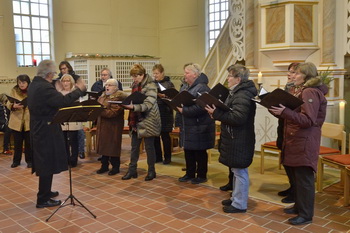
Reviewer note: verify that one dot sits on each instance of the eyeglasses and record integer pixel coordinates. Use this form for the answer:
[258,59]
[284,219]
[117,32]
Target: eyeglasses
[110,85]
[135,75]
[104,74]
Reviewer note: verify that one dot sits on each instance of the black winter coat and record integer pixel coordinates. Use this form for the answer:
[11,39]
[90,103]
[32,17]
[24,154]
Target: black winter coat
[237,139]
[49,150]
[198,128]
[166,113]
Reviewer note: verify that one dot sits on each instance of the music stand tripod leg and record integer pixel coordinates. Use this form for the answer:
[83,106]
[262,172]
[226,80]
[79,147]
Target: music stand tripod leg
[90,114]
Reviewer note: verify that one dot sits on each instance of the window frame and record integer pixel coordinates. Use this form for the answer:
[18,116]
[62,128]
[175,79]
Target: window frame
[216,22]
[32,23]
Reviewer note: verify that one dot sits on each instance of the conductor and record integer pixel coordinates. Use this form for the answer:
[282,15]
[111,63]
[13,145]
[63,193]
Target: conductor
[49,153]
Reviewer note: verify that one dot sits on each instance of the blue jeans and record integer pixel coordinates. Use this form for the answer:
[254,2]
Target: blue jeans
[240,186]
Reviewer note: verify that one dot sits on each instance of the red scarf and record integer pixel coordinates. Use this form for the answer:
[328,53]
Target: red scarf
[134,117]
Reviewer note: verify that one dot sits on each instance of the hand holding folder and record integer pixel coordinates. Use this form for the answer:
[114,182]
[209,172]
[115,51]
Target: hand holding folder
[136,98]
[277,97]
[216,96]
[184,98]
[14,100]
[170,93]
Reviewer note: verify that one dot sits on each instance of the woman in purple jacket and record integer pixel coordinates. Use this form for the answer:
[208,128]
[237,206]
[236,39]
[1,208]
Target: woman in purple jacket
[302,135]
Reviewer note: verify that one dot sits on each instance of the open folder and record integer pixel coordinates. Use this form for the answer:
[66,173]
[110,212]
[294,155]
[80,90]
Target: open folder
[216,96]
[14,100]
[170,93]
[277,97]
[183,98]
[80,113]
[207,99]
[94,94]
[136,98]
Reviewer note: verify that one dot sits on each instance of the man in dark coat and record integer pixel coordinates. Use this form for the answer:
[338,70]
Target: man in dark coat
[49,153]
[198,128]
[237,138]
[99,85]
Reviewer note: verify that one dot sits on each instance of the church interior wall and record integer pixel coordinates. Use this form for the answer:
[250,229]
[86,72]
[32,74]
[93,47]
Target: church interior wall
[174,31]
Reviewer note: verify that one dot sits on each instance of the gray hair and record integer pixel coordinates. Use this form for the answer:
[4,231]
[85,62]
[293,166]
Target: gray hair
[194,67]
[108,70]
[45,68]
[112,81]
[239,70]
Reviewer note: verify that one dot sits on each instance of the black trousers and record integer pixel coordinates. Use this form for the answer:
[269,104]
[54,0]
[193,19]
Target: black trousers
[71,138]
[115,162]
[45,184]
[304,192]
[19,137]
[291,181]
[196,163]
[165,136]
[7,138]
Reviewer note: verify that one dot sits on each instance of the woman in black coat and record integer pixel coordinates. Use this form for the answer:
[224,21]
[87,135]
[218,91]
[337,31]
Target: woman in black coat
[198,129]
[166,116]
[237,138]
[49,150]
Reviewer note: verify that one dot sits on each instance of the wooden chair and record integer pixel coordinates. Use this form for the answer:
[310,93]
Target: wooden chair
[90,135]
[347,186]
[329,130]
[338,161]
[269,146]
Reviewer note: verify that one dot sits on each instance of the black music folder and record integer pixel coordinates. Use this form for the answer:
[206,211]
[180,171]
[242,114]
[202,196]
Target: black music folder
[87,102]
[220,92]
[276,97]
[136,98]
[216,96]
[207,99]
[79,113]
[94,94]
[184,98]
[14,100]
[170,93]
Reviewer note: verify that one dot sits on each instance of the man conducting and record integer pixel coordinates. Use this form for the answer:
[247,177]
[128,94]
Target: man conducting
[49,151]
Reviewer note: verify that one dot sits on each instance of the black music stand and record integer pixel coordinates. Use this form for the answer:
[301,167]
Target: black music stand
[79,113]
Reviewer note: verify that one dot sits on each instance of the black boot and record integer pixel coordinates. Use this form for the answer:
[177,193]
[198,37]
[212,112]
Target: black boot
[150,175]
[115,161]
[129,175]
[104,166]
[228,186]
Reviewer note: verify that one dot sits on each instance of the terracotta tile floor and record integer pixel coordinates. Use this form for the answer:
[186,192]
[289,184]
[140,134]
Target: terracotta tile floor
[161,205]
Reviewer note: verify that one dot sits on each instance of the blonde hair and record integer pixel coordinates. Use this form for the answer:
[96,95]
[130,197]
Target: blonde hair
[71,80]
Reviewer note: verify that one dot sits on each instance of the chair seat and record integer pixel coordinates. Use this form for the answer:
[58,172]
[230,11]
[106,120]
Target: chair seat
[272,144]
[341,159]
[176,131]
[328,150]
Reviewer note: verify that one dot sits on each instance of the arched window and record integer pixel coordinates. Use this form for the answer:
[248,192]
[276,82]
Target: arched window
[218,12]
[32,31]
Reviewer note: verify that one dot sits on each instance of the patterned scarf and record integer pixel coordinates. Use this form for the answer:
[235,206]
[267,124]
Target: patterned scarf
[134,117]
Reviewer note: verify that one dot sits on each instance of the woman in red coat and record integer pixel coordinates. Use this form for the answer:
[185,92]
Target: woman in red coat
[302,136]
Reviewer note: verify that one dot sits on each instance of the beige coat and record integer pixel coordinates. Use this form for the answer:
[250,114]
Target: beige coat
[19,118]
